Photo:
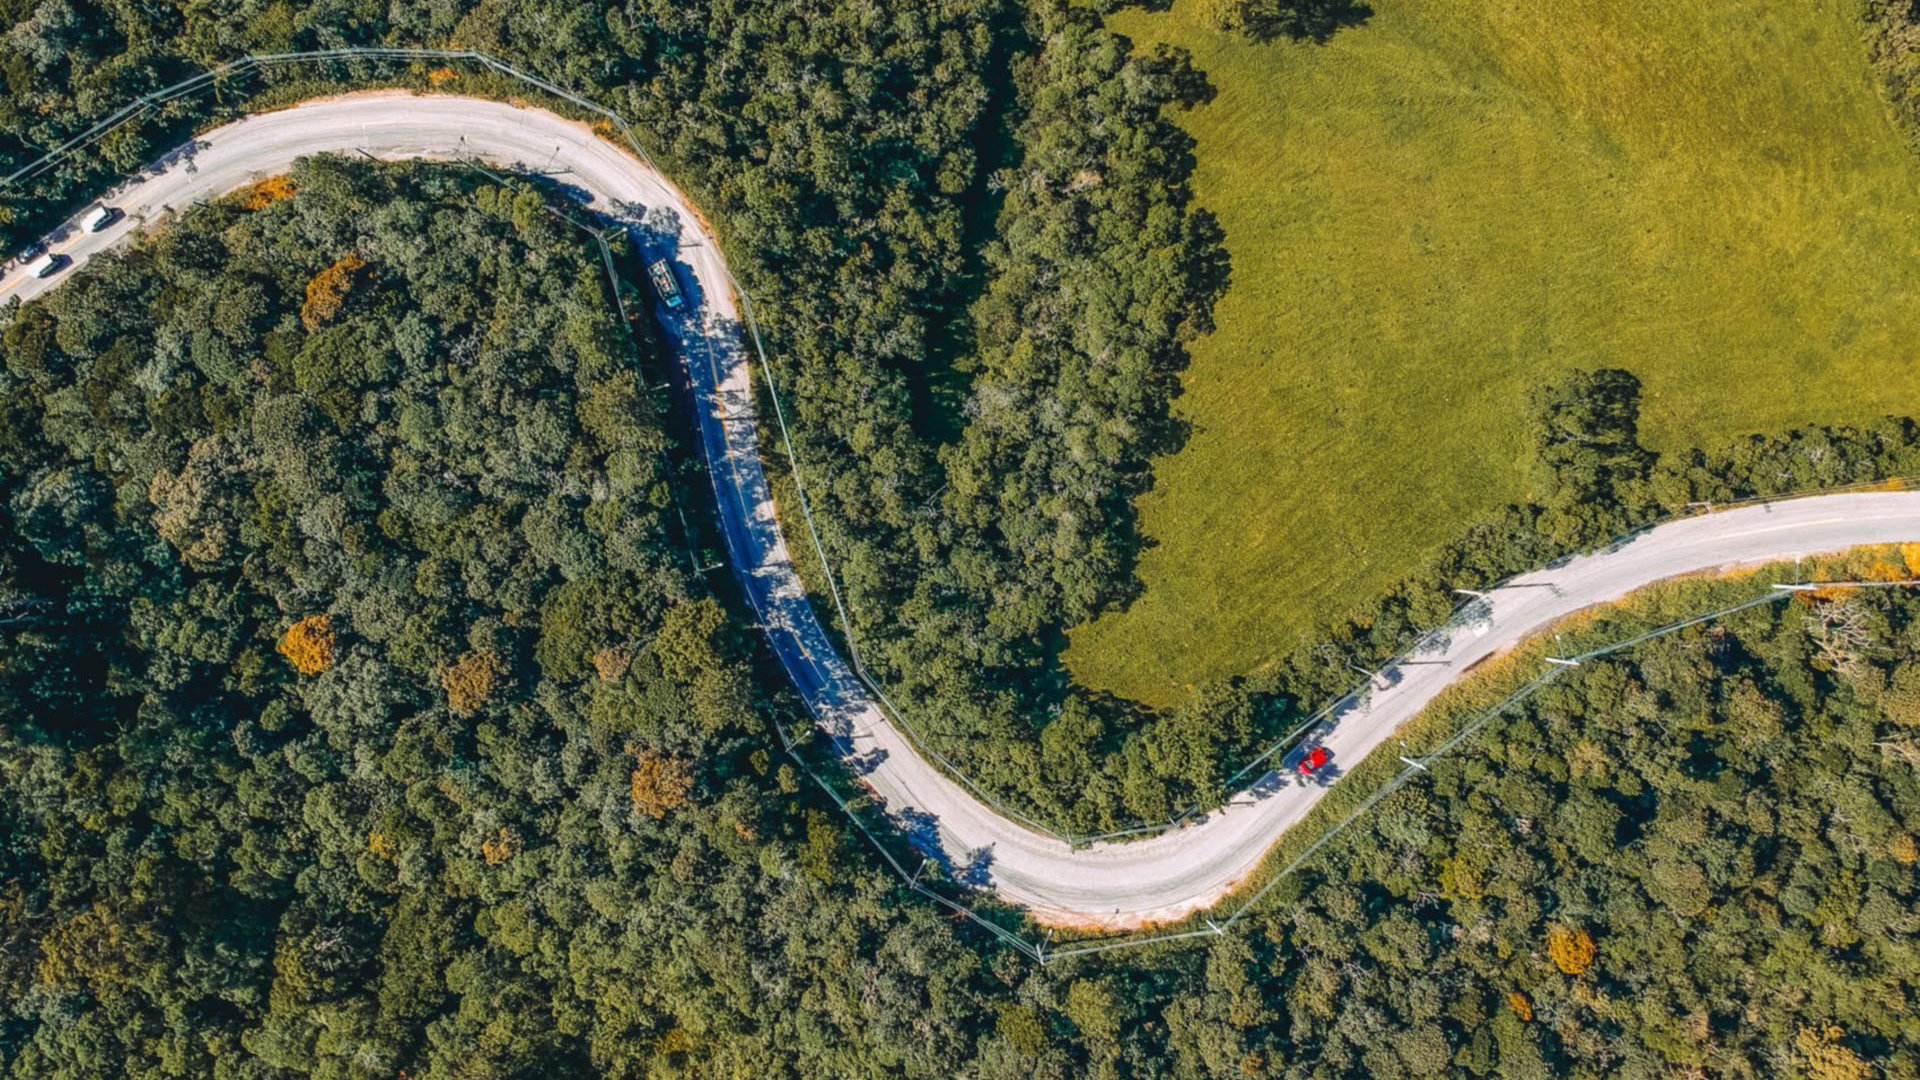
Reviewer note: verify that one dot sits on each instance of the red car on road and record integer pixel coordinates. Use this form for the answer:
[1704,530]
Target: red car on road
[1315,758]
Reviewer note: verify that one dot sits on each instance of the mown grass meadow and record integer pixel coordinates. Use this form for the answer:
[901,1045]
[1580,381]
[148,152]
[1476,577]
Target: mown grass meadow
[1459,200]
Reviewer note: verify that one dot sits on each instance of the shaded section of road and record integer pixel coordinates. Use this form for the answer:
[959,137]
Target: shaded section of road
[1119,885]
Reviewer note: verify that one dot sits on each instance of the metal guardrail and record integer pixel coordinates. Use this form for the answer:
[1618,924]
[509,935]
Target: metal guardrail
[1417,767]
[255,61]
[894,713]
[1038,949]
[205,80]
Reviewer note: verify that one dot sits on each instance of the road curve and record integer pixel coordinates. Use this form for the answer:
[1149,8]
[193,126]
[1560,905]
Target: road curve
[1120,885]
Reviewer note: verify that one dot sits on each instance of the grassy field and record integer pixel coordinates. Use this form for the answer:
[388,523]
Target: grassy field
[1453,203]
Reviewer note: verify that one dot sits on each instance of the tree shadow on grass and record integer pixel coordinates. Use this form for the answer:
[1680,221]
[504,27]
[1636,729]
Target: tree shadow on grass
[1301,20]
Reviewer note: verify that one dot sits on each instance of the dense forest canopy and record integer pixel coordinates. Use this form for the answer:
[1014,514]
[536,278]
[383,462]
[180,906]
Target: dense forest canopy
[970,210]
[968,233]
[362,716]
[350,670]
[364,719]
[1697,859]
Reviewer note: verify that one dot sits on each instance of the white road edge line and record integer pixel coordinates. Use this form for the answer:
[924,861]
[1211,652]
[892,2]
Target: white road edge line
[1118,886]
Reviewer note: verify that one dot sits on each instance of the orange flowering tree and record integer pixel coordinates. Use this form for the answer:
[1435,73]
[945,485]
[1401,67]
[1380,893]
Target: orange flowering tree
[660,785]
[469,681]
[309,644]
[499,847]
[1571,950]
[328,290]
[264,193]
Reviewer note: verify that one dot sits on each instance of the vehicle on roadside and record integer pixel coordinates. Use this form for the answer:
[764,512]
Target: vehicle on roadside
[665,284]
[99,218]
[45,265]
[1315,760]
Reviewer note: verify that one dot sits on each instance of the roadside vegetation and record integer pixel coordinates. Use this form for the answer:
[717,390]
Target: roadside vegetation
[974,208]
[1432,214]
[979,334]
[1695,858]
[361,718]
[362,715]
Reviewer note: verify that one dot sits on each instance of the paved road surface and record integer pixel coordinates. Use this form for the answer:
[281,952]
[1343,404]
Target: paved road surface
[1119,885]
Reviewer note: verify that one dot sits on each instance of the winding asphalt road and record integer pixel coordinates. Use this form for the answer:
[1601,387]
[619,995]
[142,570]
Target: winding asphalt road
[1117,885]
